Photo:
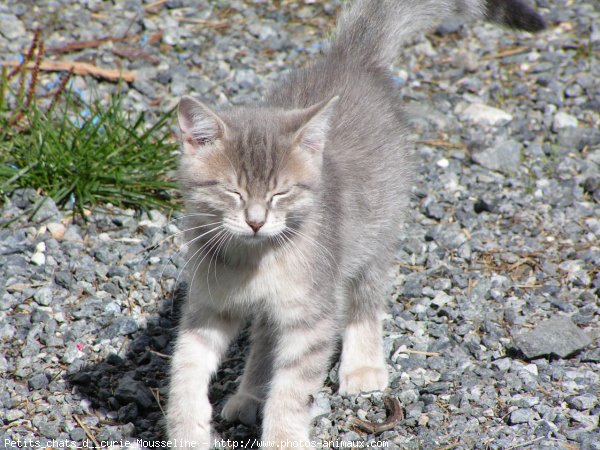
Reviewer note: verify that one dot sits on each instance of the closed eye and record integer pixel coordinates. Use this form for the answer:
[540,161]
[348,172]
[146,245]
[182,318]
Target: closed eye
[279,196]
[235,194]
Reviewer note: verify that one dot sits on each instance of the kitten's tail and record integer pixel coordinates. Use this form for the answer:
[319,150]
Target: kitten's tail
[373,31]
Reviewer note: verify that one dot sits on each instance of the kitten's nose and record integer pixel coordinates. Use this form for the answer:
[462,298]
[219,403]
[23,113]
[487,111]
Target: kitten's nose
[255,225]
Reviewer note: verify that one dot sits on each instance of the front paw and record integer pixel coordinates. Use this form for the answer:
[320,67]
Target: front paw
[242,407]
[186,429]
[363,379]
[189,435]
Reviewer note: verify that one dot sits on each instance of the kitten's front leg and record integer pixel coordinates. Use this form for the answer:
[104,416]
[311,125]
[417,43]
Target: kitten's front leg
[200,345]
[302,358]
[245,404]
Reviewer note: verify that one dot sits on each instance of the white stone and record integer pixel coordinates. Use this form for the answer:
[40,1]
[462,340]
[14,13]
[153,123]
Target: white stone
[532,369]
[564,120]
[486,115]
[38,258]
[443,163]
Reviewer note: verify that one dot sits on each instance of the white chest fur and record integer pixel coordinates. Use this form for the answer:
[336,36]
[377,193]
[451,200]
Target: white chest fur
[278,281]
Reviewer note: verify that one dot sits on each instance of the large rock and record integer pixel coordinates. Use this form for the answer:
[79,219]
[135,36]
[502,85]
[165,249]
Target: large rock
[558,336]
[485,115]
[504,157]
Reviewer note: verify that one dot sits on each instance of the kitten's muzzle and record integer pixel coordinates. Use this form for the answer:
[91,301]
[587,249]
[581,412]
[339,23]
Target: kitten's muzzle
[255,225]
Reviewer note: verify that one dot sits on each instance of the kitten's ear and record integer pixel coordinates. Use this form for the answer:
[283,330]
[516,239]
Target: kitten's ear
[199,124]
[316,121]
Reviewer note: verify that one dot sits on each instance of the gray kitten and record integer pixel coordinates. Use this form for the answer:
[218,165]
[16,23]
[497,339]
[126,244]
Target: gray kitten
[295,207]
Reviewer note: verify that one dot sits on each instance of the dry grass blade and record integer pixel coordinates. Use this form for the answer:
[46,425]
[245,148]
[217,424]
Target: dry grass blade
[61,88]
[79,68]
[419,352]
[155,4]
[134,53]
[156,395]
[205,22]
[441,143]
[87,430]
[35,73]
[27,58]
[508,52]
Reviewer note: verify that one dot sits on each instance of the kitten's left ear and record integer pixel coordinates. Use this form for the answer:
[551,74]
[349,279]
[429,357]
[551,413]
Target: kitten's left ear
[316,122]
[199,125]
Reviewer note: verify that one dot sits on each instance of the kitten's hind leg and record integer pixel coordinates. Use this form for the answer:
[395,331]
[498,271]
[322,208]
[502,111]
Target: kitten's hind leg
[244,406]
[362,366]
[301,360]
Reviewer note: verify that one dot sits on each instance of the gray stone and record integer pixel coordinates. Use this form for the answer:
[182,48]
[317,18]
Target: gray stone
[13,414]
[434,211]
[583,402]
[72,234]
[350,436]
[47,211]
[564,120]
[486,115]
[502,364]
[23,198]
[504,157]
[128,413]
[450,25]
[11,27]
[559,336]
[130,390]
[78,434]
[126,325]
[43,296]
[38,381]
[321,406]
[523,415]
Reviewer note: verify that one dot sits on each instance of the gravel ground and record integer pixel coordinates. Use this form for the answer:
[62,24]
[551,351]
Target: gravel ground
[493,331]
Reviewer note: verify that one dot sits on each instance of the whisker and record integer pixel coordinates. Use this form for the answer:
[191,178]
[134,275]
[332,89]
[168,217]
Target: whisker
[211,241]
[195,253]
[158,244]
[186,216]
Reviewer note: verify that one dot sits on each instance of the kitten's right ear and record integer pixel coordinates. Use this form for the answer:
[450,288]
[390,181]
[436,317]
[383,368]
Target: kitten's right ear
[199,125]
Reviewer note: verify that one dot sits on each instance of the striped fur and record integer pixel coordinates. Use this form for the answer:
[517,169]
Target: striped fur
[323,167]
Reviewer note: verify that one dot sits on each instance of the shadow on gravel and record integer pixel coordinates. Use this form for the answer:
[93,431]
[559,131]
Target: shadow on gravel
[132,387]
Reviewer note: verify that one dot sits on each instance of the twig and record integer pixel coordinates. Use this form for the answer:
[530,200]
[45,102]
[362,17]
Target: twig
[419,352]
[123,345]
[162,355]
[523,444]
[205,22]
[134,53]
[441,143]
[155,4]
[88,432]
[156,395]
[79,68]
[395,415]
[508,52]
[92,43]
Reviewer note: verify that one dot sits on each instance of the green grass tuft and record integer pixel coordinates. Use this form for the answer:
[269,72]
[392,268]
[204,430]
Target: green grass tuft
[85,155]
